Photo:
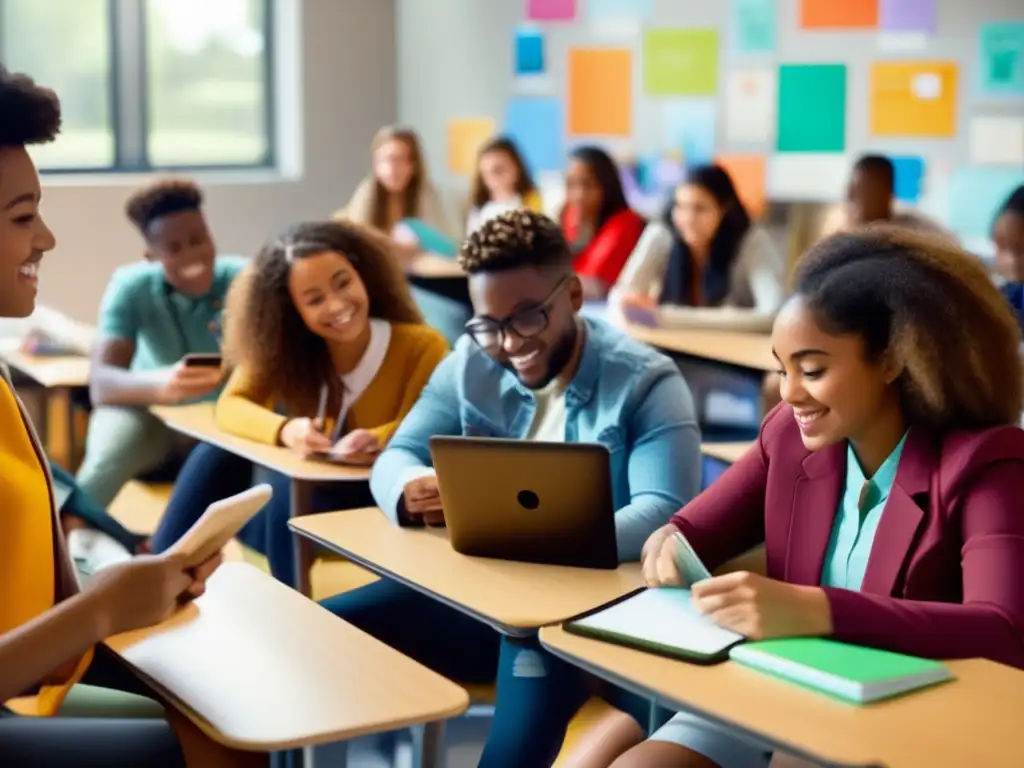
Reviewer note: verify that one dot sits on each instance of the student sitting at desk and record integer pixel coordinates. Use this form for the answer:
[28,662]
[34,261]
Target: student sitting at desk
[886,489]
[330,353]
[528,368]
[601,228]
[501,183]
[48,627]
[153,314]
[1008,236]
[706,255]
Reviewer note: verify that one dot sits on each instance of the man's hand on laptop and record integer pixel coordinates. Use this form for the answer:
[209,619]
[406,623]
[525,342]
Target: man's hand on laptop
[423,500]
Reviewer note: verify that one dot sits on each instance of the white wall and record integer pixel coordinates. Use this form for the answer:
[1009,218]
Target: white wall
[346,68]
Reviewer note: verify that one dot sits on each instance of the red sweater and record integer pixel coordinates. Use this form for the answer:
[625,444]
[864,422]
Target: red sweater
[608,250]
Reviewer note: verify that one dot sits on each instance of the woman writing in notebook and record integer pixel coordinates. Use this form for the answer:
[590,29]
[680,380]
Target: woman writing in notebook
[329,354]
[601,228]
[501,183]
[49,629]
[706,263]
[886,488]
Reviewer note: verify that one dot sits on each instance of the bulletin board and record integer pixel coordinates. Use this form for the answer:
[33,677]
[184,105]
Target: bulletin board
[784,93]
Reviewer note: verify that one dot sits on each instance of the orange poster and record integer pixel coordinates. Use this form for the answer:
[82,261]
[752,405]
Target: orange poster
[465,137]
[839,14]
[913,98]
[600,91]
[748,175]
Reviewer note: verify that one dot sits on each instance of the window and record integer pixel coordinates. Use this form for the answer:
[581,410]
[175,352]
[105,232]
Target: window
[149,84]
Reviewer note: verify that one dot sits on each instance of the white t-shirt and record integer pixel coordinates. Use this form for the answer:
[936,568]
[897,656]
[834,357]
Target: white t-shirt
[549,419]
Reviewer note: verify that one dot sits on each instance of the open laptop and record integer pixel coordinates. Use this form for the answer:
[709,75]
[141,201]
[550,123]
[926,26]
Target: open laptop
[531,501]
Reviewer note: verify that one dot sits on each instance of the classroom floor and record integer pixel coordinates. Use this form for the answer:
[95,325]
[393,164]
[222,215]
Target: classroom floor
[464,740]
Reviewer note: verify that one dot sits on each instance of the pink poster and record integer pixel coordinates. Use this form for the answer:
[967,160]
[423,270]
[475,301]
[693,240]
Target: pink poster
[551,10]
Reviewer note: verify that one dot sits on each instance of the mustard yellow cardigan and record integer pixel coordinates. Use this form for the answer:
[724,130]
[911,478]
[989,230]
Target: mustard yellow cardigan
[414,351]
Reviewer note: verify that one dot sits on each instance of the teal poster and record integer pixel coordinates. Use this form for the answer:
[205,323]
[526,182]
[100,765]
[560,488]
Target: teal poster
[1002,58]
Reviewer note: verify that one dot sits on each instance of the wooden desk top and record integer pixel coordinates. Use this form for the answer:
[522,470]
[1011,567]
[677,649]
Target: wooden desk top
[748,350]
[197,421]
[260,667]
[50,372]
[727,452]
[430,265]
[972,721]
[514,598]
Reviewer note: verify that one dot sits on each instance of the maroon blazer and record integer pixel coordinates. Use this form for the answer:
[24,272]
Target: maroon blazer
[945,577]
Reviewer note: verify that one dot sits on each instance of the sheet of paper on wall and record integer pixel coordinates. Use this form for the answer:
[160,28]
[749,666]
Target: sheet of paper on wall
[838,14]
[691,128]
[997,140]
[1002,58]
[902,42]
[750,101]
[812,177]
[748,173]
[975,194]
[529,52]
[551,10]
[909,177]
[802,129]
[753,26]
[680,62]
[537,126]
[913,98]
[600,91]
[465,137]
[908,15]
[619,17]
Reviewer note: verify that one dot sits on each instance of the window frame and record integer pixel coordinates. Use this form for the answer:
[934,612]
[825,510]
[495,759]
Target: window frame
[128,66]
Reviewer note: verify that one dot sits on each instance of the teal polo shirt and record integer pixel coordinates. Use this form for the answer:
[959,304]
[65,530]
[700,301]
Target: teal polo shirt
[165,325]
[853,532]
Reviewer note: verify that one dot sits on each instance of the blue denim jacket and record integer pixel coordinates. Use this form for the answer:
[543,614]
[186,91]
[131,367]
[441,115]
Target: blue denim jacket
[625,395]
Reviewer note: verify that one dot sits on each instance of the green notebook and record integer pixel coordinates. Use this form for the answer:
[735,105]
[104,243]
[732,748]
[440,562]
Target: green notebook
[849,672]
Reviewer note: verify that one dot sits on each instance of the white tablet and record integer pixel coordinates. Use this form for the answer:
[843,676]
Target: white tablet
[220,523]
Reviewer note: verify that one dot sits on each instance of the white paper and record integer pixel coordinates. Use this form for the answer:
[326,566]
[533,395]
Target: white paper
[997,141]
[897,42]
[927,86]
[750,106]
[814,177]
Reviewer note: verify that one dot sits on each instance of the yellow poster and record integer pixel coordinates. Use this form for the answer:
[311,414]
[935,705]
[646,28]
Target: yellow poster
[913,98]
[465,137]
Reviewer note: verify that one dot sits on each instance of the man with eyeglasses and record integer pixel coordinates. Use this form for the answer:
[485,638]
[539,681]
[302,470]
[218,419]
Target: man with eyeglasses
[529,367]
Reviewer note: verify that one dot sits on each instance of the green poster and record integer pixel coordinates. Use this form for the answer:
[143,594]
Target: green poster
[681,62]
[812,108]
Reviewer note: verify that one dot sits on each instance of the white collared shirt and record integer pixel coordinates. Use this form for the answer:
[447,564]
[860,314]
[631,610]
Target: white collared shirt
[358,380]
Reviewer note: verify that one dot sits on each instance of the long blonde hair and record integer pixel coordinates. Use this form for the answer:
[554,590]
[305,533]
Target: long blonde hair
[369,204]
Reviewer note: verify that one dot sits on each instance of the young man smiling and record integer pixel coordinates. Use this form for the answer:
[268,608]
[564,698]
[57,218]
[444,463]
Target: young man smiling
[529,367]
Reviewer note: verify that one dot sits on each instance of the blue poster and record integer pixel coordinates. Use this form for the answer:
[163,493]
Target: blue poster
[975,194]
[1002,58]
[537,125]
[691,130]
[752,25]
[529,53]
[909,177]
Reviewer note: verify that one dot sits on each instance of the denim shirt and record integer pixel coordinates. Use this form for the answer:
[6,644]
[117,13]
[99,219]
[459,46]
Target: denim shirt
[625,396]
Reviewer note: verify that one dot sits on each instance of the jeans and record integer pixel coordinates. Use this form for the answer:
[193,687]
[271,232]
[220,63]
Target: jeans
[537,694]
[211,474]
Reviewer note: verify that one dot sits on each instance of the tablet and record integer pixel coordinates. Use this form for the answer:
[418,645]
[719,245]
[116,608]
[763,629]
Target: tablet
[219,524]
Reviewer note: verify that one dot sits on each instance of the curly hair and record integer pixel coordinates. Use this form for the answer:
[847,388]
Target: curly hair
[162,199]
[264,332]
[515,239]
[933,306]
[29,113]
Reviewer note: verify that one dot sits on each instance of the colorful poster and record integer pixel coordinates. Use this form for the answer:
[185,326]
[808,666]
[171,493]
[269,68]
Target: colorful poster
[750,100]
[839,14]
[748,173]
[465,137]
[913,98]
[909,177]
[681,62]
[997,140]
[529,52]
[908,15]
[975,194]
[551,10]
[753,25]
[808,177]
[1002,58]
[537,126]
[812,108]
[604,11]
[690,128]
[600,91]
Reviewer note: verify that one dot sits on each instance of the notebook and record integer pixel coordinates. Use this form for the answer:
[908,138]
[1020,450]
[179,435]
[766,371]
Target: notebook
[430,239]
[849,672]
[661,620]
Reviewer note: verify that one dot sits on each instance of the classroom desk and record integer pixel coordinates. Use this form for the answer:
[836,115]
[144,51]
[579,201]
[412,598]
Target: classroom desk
[259,667]
[197,421]
[752,351]
[514,598]
[973,721]
[430,266]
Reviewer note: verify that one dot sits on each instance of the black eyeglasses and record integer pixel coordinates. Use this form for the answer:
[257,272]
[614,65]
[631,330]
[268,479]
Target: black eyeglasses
[527,323]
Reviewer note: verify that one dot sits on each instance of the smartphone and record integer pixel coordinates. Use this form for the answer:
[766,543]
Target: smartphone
[690,568]
[203,361]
